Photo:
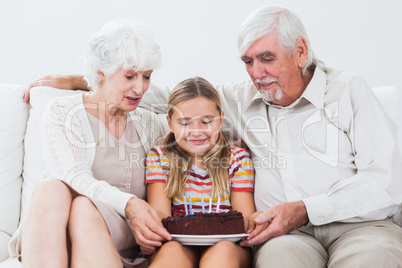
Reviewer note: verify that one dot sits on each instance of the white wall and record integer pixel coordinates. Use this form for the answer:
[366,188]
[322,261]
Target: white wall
[197,37]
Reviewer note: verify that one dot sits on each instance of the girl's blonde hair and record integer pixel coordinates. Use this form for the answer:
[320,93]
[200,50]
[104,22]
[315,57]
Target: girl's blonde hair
[216,159]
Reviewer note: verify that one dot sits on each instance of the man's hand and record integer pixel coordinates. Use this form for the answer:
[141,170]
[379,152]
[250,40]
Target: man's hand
[145,225]
[276,221]
[57,81]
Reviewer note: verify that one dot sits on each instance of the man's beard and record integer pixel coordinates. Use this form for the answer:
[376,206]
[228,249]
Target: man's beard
[270,95]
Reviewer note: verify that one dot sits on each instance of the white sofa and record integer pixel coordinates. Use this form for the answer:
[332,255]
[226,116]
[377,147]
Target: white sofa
[20,151]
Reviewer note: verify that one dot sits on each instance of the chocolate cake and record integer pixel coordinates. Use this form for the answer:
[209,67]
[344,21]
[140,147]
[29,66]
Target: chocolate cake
[205,224]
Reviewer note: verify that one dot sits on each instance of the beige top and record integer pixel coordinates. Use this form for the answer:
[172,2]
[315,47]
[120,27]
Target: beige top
[119,162]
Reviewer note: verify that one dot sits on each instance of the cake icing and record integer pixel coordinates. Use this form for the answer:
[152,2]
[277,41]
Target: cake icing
[205,223]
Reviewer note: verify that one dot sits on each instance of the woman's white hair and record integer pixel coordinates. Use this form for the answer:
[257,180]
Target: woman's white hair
[284,22]
[120,44]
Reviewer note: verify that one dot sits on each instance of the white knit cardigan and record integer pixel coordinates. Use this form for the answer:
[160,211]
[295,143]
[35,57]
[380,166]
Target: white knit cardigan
[69,148]
[69,151]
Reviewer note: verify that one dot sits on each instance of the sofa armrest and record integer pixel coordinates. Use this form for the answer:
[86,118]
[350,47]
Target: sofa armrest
[12,131]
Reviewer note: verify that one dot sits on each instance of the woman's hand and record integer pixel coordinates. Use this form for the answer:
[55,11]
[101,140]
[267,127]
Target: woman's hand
[57,81]
[145,225]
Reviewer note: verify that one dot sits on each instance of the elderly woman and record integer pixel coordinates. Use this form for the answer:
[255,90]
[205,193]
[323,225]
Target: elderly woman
[90,209]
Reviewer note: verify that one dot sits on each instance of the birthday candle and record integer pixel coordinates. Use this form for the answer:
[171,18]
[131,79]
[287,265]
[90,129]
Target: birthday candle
[210,204]
[202,203]
[185,204]
[191,206]
[217,205]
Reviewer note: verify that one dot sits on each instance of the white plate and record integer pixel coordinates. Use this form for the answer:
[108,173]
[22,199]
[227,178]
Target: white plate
[206,240]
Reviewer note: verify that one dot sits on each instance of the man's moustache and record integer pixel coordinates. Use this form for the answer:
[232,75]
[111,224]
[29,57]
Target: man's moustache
[266,80]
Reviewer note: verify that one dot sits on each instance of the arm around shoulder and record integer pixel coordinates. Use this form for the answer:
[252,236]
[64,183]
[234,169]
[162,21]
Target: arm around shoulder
[68,82]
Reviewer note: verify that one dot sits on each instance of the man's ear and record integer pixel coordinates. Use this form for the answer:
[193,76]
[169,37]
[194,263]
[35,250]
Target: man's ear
[302,51]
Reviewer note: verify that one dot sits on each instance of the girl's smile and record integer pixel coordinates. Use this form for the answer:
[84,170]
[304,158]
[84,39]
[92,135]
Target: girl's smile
[197,142]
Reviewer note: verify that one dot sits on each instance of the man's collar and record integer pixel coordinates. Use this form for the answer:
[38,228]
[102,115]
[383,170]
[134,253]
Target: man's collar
[314,91]
[256,98]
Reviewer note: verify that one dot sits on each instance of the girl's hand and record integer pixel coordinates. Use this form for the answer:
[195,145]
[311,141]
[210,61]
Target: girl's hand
[276,221]
[250,224]
[254,229]
[145,225]
[146,251]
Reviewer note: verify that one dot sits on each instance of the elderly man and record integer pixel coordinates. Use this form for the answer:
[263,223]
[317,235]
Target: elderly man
[328,168]
[331,199]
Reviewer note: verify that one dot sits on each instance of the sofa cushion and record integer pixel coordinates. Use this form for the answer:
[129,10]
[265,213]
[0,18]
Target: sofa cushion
[33,168]
[14,114]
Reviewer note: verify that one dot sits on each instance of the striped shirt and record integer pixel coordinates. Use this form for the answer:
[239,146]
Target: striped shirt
[199,184]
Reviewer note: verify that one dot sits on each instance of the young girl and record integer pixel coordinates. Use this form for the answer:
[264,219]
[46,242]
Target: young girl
[196,161]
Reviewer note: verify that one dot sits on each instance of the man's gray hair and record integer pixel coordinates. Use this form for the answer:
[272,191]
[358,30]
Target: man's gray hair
[120,44]
[284,22]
